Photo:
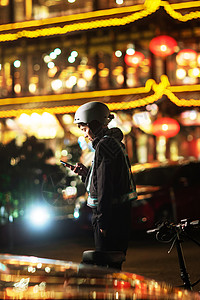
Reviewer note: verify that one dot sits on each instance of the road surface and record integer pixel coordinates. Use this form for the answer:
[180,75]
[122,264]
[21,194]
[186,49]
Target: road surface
[146,256]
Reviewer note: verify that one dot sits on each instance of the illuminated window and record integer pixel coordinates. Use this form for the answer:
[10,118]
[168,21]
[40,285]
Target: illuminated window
[4,11]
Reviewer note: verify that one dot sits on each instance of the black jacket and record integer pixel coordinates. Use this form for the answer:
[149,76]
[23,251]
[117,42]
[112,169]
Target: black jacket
[110,177]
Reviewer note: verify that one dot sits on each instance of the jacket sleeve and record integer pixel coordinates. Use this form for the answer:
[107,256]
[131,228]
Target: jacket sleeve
[85,178]
[104,186]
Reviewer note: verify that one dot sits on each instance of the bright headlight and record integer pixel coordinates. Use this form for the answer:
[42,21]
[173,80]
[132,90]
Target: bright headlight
[39,216]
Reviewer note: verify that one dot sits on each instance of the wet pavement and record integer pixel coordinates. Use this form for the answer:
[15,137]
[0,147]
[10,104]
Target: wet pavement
[146,256]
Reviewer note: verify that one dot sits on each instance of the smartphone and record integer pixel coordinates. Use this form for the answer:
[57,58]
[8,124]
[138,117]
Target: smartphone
[67,165]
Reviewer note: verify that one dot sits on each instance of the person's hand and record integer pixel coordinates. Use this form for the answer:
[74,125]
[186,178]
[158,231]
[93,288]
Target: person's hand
[80,169]
[103,232]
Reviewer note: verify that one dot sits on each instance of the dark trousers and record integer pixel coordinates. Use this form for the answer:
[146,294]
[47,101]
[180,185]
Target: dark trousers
[118,230]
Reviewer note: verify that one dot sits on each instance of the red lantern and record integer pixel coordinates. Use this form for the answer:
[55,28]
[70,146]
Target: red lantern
[167,127]
[163,45]
[135,59]
[186,56]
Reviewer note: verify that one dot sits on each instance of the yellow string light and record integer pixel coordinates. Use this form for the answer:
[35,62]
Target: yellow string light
[71,18]
[176,15]
[140,11]
[184,5]
[58,30]
[184,88]
[82,95]
[144,10]
[149,5]
[163,88]
[181,102]
[160,89]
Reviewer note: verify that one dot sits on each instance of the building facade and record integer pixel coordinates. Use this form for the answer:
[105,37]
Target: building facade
[141,58]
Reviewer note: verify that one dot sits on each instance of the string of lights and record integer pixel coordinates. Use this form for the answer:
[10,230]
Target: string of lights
[143,11]
[181,102]
[81,95]
[58,30]
[160,89]
[71,18]
[177,15]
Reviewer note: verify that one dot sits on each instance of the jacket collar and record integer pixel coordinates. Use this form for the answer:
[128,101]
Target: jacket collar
[113,132]
[101,134]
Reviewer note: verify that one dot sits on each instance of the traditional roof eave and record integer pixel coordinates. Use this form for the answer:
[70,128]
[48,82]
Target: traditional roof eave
[120,99]
[96,19]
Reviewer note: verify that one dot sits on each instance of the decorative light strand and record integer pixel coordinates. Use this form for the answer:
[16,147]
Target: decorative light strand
[181,102]
[183,18]
[143,11]
[58,30]
[81,95]
[163,88]
[71,18]
[149,5]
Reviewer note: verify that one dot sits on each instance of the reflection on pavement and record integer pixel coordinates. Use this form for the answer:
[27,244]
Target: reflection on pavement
[29,277]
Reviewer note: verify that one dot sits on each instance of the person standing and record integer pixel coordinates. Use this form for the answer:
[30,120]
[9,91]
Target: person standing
[109,181]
